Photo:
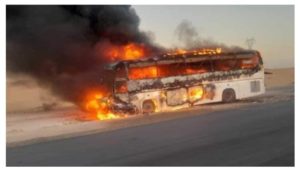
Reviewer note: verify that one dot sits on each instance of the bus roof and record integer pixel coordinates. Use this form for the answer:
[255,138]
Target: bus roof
[177,58]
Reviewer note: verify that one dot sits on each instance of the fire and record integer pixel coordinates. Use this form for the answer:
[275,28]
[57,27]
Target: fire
[131,51]
[193,71]
[154,72]
[218,50]
[202,51]
[104,116]
[100,106]
[208,51]
[196,93]
[180,51]
[143,72]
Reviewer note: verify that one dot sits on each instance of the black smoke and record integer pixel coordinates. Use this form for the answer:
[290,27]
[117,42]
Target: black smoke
[59,45]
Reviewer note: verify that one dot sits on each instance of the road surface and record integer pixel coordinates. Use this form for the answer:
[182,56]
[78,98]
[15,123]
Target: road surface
[255,135]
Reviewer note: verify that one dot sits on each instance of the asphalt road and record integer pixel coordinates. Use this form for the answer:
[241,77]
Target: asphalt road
[256,135]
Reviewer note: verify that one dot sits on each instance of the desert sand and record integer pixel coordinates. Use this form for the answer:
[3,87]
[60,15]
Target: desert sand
[24,94]
[28,122]
[279,77]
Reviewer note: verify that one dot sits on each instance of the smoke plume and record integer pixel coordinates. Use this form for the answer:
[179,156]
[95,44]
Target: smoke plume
[61,46]
[189,38]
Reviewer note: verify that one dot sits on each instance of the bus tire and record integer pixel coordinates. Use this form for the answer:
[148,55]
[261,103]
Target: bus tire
[148,107]
[228,96]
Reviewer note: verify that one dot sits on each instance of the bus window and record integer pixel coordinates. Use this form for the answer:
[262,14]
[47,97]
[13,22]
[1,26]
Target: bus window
[121,87]
[171,69]
[225,65]
[142,72]
[249,63]
[198,67]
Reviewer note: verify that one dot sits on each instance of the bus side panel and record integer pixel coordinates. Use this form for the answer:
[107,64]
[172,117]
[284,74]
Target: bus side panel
[244,87]
[250,88]
[253,86]
[156,97]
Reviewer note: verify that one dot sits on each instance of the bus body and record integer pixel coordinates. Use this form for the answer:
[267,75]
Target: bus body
[167,83]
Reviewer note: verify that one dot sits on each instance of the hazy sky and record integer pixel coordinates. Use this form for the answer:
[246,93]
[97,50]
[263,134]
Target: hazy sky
[271,26]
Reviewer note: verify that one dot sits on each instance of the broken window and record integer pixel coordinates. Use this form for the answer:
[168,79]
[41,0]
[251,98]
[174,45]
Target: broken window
[198,67]
[225,65]
[174,69]
[249,62]
[143,72]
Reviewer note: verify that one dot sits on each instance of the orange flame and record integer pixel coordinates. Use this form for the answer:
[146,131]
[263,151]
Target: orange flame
[143,72]
[196,93]
[130,51]
[102,116]
[202,51]
[101,108]
[180,51]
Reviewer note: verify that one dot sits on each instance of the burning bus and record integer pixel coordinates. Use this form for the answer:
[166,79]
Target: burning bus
[184,79]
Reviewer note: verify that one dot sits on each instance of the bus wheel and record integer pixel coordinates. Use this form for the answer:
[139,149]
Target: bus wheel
[148,107]
[228,96]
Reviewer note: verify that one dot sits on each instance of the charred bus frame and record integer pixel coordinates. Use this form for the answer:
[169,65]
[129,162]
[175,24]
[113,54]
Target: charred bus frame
[244,77]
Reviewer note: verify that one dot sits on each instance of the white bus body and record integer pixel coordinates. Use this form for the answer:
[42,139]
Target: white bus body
[167,93]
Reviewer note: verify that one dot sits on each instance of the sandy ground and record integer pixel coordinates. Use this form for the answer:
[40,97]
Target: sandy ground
[27,122]
[23,94]
[279,77]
